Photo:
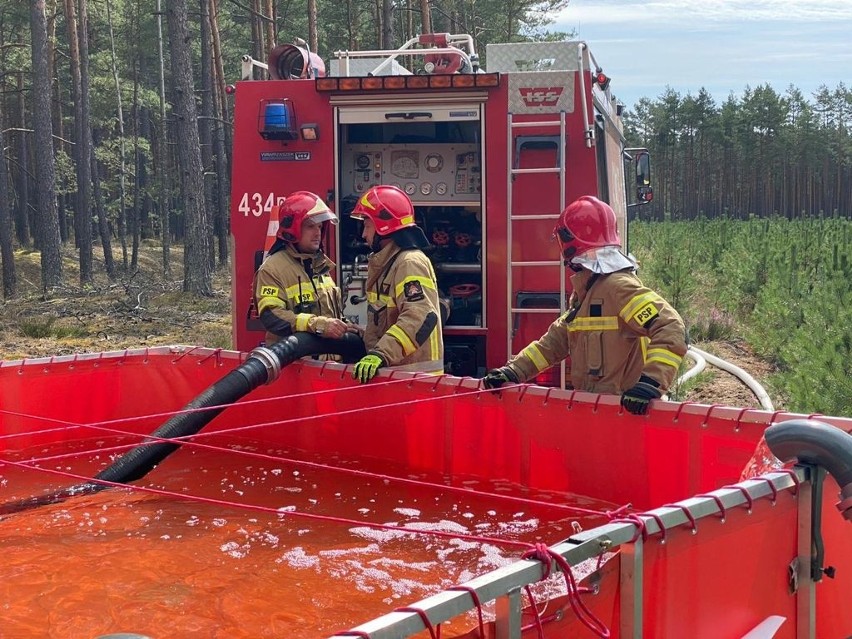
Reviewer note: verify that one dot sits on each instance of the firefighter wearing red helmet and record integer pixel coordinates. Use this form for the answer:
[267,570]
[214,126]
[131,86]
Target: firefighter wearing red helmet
[623,338]
[293,288]
[404,318]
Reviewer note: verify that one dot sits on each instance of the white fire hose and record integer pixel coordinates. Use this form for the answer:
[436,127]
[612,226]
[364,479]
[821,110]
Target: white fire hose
[702,358]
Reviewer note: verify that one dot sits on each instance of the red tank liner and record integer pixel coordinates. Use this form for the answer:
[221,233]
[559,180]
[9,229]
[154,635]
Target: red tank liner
[715,576]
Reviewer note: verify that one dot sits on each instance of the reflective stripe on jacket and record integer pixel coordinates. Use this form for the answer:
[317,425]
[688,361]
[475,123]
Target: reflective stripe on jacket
[404,318]
[291,299]
[621,330]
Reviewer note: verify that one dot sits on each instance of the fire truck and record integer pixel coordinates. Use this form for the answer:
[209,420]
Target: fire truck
[489,160]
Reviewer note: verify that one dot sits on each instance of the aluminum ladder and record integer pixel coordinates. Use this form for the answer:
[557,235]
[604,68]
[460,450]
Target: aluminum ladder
[512,219]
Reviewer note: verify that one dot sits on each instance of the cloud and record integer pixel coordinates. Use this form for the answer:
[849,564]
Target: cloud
[720,45]
[693,13]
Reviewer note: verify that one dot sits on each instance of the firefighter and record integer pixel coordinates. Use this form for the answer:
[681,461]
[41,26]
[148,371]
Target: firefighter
[623,338]
[404,316]
[293,286]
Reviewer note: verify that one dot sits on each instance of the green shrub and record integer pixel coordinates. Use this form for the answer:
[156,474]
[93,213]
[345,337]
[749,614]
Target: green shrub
[785,286]
[42,328]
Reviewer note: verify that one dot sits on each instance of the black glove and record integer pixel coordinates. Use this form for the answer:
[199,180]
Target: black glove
[637,399]
[496,377]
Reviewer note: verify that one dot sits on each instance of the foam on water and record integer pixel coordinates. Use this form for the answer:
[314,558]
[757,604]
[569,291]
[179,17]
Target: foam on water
[172,568]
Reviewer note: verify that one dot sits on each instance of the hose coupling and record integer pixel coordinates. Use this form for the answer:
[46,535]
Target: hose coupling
[270,362]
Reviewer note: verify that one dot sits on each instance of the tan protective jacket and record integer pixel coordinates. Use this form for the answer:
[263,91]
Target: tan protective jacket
[403,318]
[295,292]
[621,330]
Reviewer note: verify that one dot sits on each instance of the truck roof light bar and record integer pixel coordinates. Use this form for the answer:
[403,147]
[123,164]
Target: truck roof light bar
[417,82]
[399,82]
[371,83]
[394,82]
[464,81]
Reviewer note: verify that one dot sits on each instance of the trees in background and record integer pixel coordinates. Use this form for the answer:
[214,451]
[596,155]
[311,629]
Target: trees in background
[762,154]
[46,220]
[197,276]
[111,132]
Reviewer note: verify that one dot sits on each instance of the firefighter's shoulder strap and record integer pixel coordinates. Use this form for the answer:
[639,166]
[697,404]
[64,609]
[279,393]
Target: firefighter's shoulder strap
[386,270]
[572,314]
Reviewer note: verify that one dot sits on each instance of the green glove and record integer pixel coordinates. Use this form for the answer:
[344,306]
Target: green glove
[367,367]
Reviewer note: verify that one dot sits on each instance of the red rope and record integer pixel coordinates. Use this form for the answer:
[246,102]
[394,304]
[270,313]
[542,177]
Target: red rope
[690,518]
[167,414]
[793,476]
[476,602]
[748,498]
[662,528]
[534,606]
[151,440]
[637,521]
[538,551]
[243,403]
[546,555]
[278,512]
[189,441]
[771,488]
[423,617]
[723,512]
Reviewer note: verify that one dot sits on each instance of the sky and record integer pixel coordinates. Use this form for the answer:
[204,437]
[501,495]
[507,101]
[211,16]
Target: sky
[721,45]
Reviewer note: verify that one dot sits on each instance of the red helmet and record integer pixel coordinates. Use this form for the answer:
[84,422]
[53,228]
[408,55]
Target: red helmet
[586,224]
[387,206]
[296,208]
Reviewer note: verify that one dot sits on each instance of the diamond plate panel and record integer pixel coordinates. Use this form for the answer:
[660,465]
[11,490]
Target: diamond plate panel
[543,92]
[532,56]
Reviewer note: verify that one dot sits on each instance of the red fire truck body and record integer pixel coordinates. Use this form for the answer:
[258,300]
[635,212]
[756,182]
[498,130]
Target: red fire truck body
[489,160]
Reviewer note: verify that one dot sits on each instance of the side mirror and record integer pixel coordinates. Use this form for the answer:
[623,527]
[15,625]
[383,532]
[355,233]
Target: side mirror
[642,163]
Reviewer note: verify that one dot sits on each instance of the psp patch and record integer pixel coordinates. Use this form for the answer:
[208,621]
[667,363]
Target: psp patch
[413,291]
[646,314]
[268,291]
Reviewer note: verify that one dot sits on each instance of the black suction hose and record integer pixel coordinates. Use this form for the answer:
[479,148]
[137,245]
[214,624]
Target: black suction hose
[815,442]
[263,366]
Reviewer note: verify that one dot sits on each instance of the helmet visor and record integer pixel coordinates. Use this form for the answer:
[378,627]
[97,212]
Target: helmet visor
[322,216]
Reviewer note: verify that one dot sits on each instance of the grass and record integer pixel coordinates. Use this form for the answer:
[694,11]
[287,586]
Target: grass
[136,309]
[44,328]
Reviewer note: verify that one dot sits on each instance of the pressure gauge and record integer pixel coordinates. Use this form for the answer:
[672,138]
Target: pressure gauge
[426,188]
[362,161]
[410,188]
[441,188]
[434,162]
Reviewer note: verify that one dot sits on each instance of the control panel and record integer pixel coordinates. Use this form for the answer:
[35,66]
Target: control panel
[426,172]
